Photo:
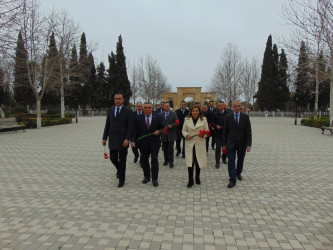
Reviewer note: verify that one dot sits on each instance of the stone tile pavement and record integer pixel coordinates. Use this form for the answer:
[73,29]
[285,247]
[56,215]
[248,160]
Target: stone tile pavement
[58,192]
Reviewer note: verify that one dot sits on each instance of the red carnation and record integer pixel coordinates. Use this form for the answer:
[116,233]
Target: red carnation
[165,130]
[210,125]
[208,133]
[201,133]
[224,151]
[177,122]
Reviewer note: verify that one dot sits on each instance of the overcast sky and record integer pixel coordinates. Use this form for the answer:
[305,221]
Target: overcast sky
[185,36]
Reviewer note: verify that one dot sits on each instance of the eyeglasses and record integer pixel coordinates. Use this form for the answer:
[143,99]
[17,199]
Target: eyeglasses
[147,107]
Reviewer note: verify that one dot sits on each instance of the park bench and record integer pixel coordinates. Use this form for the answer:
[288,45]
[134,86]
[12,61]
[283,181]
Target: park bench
[327,128]
[10,123]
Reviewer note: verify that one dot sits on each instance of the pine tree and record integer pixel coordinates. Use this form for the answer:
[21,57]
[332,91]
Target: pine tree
[302,95]
[90,85]
[99,94]
[266,94]
[282,81]
[84,71]
[23,93]
[112,79]
[324,85]
[51,96]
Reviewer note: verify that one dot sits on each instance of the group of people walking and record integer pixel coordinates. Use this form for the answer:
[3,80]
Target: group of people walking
[145,130]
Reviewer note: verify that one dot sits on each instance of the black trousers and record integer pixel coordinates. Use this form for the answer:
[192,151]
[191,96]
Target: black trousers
[145,154]
[197,168]
[180,138]
[212,135]
[218,150]
[168,151]
[135,152]
[118,158]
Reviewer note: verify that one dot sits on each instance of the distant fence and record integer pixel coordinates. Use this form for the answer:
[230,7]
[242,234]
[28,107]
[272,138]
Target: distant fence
[283,113]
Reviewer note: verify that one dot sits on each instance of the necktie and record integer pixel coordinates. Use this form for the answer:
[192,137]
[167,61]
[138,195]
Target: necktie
[148,125]
[183,111]
[166,115]
[237,121]
[117,114]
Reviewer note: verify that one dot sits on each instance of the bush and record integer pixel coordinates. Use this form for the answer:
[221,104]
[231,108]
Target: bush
[32,122]
[320,122]
[20,109]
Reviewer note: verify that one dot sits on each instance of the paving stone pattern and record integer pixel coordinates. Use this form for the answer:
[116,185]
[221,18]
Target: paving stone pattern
[58,192]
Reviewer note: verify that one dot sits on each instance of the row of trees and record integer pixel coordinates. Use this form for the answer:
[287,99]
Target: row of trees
[234,76]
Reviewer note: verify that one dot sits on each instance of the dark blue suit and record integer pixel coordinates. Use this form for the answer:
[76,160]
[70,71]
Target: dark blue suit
[149,145]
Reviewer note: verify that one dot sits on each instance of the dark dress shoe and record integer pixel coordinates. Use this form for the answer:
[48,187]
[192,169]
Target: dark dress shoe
[117,174]
[224,161]
[231,184]
[155,183]
[217,165]
[165,163]
[183,155]
[190,184]
[145,180]
[136,159]
[171,165]
[239,177]
[197,180]
[178,153]
[120,184]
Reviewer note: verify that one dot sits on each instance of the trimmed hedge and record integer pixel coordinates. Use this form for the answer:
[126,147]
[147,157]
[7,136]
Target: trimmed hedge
[320,122]
[32,122]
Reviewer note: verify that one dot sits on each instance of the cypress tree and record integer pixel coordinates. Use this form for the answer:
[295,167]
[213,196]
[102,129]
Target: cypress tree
[89,87]
[324,85]
[282,81]
[123,85]
[71,88]
[84,71]
[99,96]
[112,79]
[302,95]
[51,96]
[266,87]
[23,93]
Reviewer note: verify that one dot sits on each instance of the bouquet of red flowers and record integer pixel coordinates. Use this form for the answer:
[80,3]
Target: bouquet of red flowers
[224,151]
[164,130]
[201,134]
[177,122]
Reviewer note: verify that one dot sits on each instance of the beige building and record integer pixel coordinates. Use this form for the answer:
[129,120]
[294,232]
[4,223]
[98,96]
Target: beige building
[192,92]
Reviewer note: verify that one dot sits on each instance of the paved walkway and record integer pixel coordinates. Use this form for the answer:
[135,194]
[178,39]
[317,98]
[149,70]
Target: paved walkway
[58,192]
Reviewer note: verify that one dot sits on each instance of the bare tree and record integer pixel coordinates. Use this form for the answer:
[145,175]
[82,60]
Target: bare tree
[152,81]
[249,79]
[11,12]
[226,79]
[135,87]
[66,31]
[313,19]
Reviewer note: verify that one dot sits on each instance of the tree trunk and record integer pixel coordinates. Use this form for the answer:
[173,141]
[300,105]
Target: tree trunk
[39,114]
[2,114]
[62,100]
[317,91]
[331,98]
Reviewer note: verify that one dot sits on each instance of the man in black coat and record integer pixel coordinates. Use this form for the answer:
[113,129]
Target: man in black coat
[169,120]
[218,124]
[160,109]
[148,123]
[139,111]
[181,114]
[210,112]
[208,117]
[118,128]
[237,138]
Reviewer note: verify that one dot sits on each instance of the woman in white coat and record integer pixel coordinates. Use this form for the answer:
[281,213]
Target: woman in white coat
[195,146]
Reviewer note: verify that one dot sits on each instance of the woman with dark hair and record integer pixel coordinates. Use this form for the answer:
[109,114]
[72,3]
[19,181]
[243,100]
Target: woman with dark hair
[195,131]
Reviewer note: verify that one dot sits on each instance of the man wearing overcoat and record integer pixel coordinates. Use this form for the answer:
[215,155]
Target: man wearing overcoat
[181,114]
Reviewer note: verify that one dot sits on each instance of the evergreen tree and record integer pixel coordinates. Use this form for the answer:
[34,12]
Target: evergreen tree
[302,95]
[100,90]
[282,81]
[23,93]
[266,94]
[84,71]
[90,85]
[51,96]
[4,92]
[324,85]
[124,85]
[71,89]
[112,79]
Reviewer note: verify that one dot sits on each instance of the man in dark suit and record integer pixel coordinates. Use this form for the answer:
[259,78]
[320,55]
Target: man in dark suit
[148,123]
[218,124]
[237,138]
[118,128]
[160,109]
[169,118]
[139,111]
[210,112]
[181,114]
[208,117]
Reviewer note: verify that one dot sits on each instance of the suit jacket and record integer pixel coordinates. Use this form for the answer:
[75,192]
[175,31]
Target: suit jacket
[158,110]
[181,118]
[117,129]
[140,129]
[171,134]
[241,133]
[218,119]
